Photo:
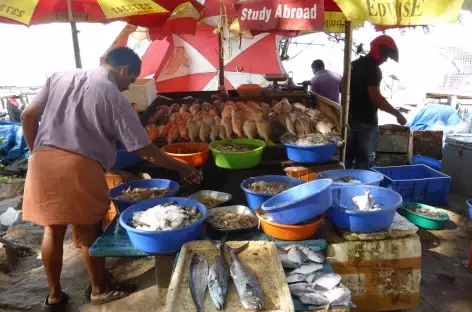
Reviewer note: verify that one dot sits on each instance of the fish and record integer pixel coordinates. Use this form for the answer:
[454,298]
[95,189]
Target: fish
[175,117]
[308,268]
[314,298]
[326,281]
[314,256]
[231,104]
[205,131]
[194,109]
[310,278]
[299,127]
[300,106]
[257,114]
[296,255]
[173,134]
[198,280]
[252,104]
[306,125]
[226,113]
[215,131]
[340,295]
[298,289]
[209,120]
[250,129]
[295,278]
[213,112]
[247,285]
[219,106]
[264,130]
[228,127]
[183,132]
[183,109]
[265,108]
[222,133]
[289,122]
[217,120]
[242,106]
[193,130]
[218,276]
[174,108]
[206,106]
[325,126]
[286,263]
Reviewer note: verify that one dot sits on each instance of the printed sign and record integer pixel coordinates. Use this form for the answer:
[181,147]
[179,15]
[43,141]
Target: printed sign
[123,8]
[264,15]
[18,10]
[401,12]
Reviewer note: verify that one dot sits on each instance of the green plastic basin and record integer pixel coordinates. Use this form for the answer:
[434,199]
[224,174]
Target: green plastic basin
[425,222]
[238,160]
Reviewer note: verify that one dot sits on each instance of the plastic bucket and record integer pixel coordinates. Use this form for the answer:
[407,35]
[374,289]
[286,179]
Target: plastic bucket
[365,177]
[256,199]
[121,205]
[357,221]
[238,160]
[310,154]
[162,242]
[301,203]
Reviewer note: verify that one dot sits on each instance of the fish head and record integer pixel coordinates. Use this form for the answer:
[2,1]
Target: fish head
[252,302]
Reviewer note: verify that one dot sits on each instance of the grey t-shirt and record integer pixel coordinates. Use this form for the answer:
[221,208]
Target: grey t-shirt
[85,113]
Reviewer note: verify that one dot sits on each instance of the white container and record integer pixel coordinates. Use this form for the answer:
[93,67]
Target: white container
[142,92]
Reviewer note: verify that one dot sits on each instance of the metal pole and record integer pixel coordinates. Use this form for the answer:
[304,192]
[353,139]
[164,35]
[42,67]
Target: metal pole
[221,61]
[346,85]
[75,37]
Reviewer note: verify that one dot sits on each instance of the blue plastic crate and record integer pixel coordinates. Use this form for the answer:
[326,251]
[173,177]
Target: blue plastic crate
[417,183]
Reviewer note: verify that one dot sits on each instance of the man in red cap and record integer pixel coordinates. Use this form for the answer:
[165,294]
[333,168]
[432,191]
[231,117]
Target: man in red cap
[366,100]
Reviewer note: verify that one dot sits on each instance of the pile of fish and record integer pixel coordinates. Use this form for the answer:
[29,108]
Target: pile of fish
[231,220]
[272,187]
[225,120]
[345,179]
[216,277]
[143,193]
[308,282]
[311,139]
[165,217]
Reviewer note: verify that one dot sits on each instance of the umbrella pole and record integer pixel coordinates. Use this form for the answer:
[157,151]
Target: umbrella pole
[75,37]
[346,85]
[221,61]
[75,42]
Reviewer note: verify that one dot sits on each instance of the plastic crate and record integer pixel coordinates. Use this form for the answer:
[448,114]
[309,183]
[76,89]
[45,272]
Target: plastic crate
[417,183]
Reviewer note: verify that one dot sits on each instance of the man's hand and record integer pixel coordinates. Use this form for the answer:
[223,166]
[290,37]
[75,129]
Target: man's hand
[401,119]
[191,175]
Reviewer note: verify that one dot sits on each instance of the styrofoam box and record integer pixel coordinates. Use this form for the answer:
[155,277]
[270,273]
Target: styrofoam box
[142,92]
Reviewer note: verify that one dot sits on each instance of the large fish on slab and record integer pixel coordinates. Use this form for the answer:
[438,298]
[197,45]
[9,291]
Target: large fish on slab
[247,285]
[198,280]
[218,276]
[250,129]
[264,130]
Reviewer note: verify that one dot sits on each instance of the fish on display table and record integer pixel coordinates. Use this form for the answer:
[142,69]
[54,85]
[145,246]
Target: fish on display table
[198,280]
[264,130]
[215,131]
[250,129]
[247,285]
[205,131]
[218,276]
[226,123]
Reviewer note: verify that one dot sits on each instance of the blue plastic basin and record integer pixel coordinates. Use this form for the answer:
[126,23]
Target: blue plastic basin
[469,205]
[365,177]
[310,154]
[121,205]
[125,159]
[162,242]
[428,161]
[256,199]
[300,203]
[363,221]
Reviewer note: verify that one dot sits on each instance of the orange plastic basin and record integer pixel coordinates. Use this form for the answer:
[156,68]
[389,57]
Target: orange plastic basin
[289,232]
[192,153]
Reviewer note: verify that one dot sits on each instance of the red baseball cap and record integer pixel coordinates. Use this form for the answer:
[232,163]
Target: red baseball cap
[384,46]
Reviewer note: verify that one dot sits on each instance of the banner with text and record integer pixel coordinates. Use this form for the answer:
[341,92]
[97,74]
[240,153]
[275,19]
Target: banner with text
[264,15]
[402,12]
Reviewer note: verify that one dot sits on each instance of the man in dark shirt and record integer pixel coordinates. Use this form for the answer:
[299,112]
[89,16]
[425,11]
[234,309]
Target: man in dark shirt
[325,82]
[366,100]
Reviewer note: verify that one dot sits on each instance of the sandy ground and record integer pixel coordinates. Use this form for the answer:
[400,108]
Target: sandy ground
[446,282]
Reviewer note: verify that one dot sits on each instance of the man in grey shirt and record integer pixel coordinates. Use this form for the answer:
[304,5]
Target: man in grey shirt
[325,82]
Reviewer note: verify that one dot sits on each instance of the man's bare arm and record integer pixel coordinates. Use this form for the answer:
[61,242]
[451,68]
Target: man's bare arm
[383,104]
[30,123]
[155,156]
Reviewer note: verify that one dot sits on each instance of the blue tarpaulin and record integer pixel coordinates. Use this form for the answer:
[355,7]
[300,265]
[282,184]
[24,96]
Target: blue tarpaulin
[12,141]
[434,114]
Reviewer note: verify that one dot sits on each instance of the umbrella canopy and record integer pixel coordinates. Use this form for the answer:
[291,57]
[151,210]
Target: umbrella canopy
[185,63]
[138,12]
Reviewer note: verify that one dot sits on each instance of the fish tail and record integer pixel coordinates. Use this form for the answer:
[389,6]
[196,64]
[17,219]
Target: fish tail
[236,250]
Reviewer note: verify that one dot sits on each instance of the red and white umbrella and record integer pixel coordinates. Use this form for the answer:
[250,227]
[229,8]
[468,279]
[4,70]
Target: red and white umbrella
[190,62]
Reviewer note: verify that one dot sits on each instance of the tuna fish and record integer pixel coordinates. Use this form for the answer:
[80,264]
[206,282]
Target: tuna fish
[247,286]
[198,280]
[218,276]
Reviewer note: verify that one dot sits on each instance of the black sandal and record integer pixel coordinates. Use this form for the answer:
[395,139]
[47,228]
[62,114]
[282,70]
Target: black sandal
[56,307]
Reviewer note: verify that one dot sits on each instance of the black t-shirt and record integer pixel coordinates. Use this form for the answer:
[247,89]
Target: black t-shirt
[364,73]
